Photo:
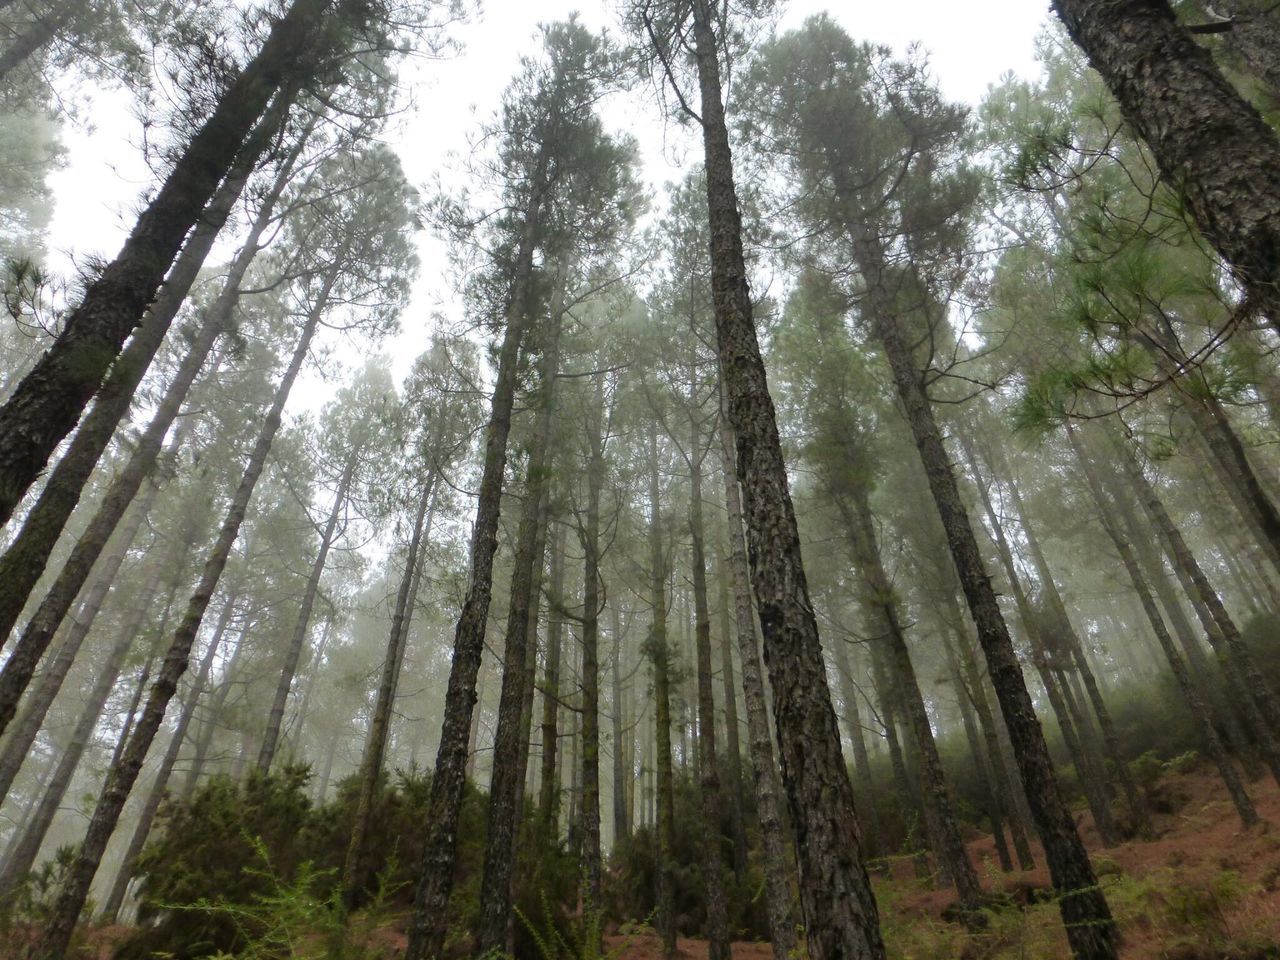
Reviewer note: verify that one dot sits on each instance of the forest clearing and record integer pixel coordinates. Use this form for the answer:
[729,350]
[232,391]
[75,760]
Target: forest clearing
[704,478]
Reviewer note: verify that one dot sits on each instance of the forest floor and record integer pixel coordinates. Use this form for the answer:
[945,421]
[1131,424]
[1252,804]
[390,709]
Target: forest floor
[1203,888]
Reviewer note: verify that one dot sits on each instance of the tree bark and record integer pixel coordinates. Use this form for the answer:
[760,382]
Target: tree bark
[121,778]
[504,786]
[549,781]
[39,36]
[622,768]
[732,745]
[1209,142]
[435,874]
[778,863]
[42,626]
[45,406]
[842,919]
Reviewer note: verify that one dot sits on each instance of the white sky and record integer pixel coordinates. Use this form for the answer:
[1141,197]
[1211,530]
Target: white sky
[99,189]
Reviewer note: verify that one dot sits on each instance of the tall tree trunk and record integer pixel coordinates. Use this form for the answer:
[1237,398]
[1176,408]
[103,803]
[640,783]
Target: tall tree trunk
[121,778]
[504,785]
[1090,784]
[881,603]
[1123,540]
[435,873]
[549,781]
[778,862]
[23,734]
[732,746]
[659,651]
[1090,929]
[622,767]
[1205,137]
[849,693]
[1138,812]
[301,626]
[205,738]
[841,916]
[531,657]
[24,560]
[709,764]
[375,744]
[159,786]
[45,406]
[40,629]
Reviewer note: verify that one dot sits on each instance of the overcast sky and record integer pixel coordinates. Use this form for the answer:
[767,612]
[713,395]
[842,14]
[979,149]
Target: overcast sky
[970,45]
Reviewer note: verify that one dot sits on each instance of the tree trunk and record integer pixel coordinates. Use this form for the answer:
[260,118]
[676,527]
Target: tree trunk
[778,863]
[435,873]
[709,765]
[504,786]
[375,744]
[39,36]
[121,778]
[881,604]
[622,768]
[732,745]
[592,602]
[25,558]
[842,919]
[205,738]
[1090,929]
[1123,540]
[549,796]
[40,629]
[659,651]
[301,626]
[45,406]
[159,787]
[1138,811]
[1205,137]
[849,693]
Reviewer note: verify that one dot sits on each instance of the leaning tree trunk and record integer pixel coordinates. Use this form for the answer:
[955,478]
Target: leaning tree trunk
[1058,609]
[439,853]
[1091,785]
[504,783]
[301,626]
[1090,929]
[45,406]
[122,776]
[1207,140]
[708,771]
[764,770]
[160,785]
[1123,540]
[25,558]
[40,629]
[881,603]
[842,919]
[849,694]
[38,36]
[375,745]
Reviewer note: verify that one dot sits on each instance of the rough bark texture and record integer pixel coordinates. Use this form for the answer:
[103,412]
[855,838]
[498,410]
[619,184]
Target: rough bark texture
[375,744]
[301,626]
[122,776]
[45,406]
[435,875]
[779,865]
[1123,538]
[42,626]
[1090,929]
[622,764]
[504,784]
[732,744]
[842,920]
[549,780]
[1208,141]
[25,558]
